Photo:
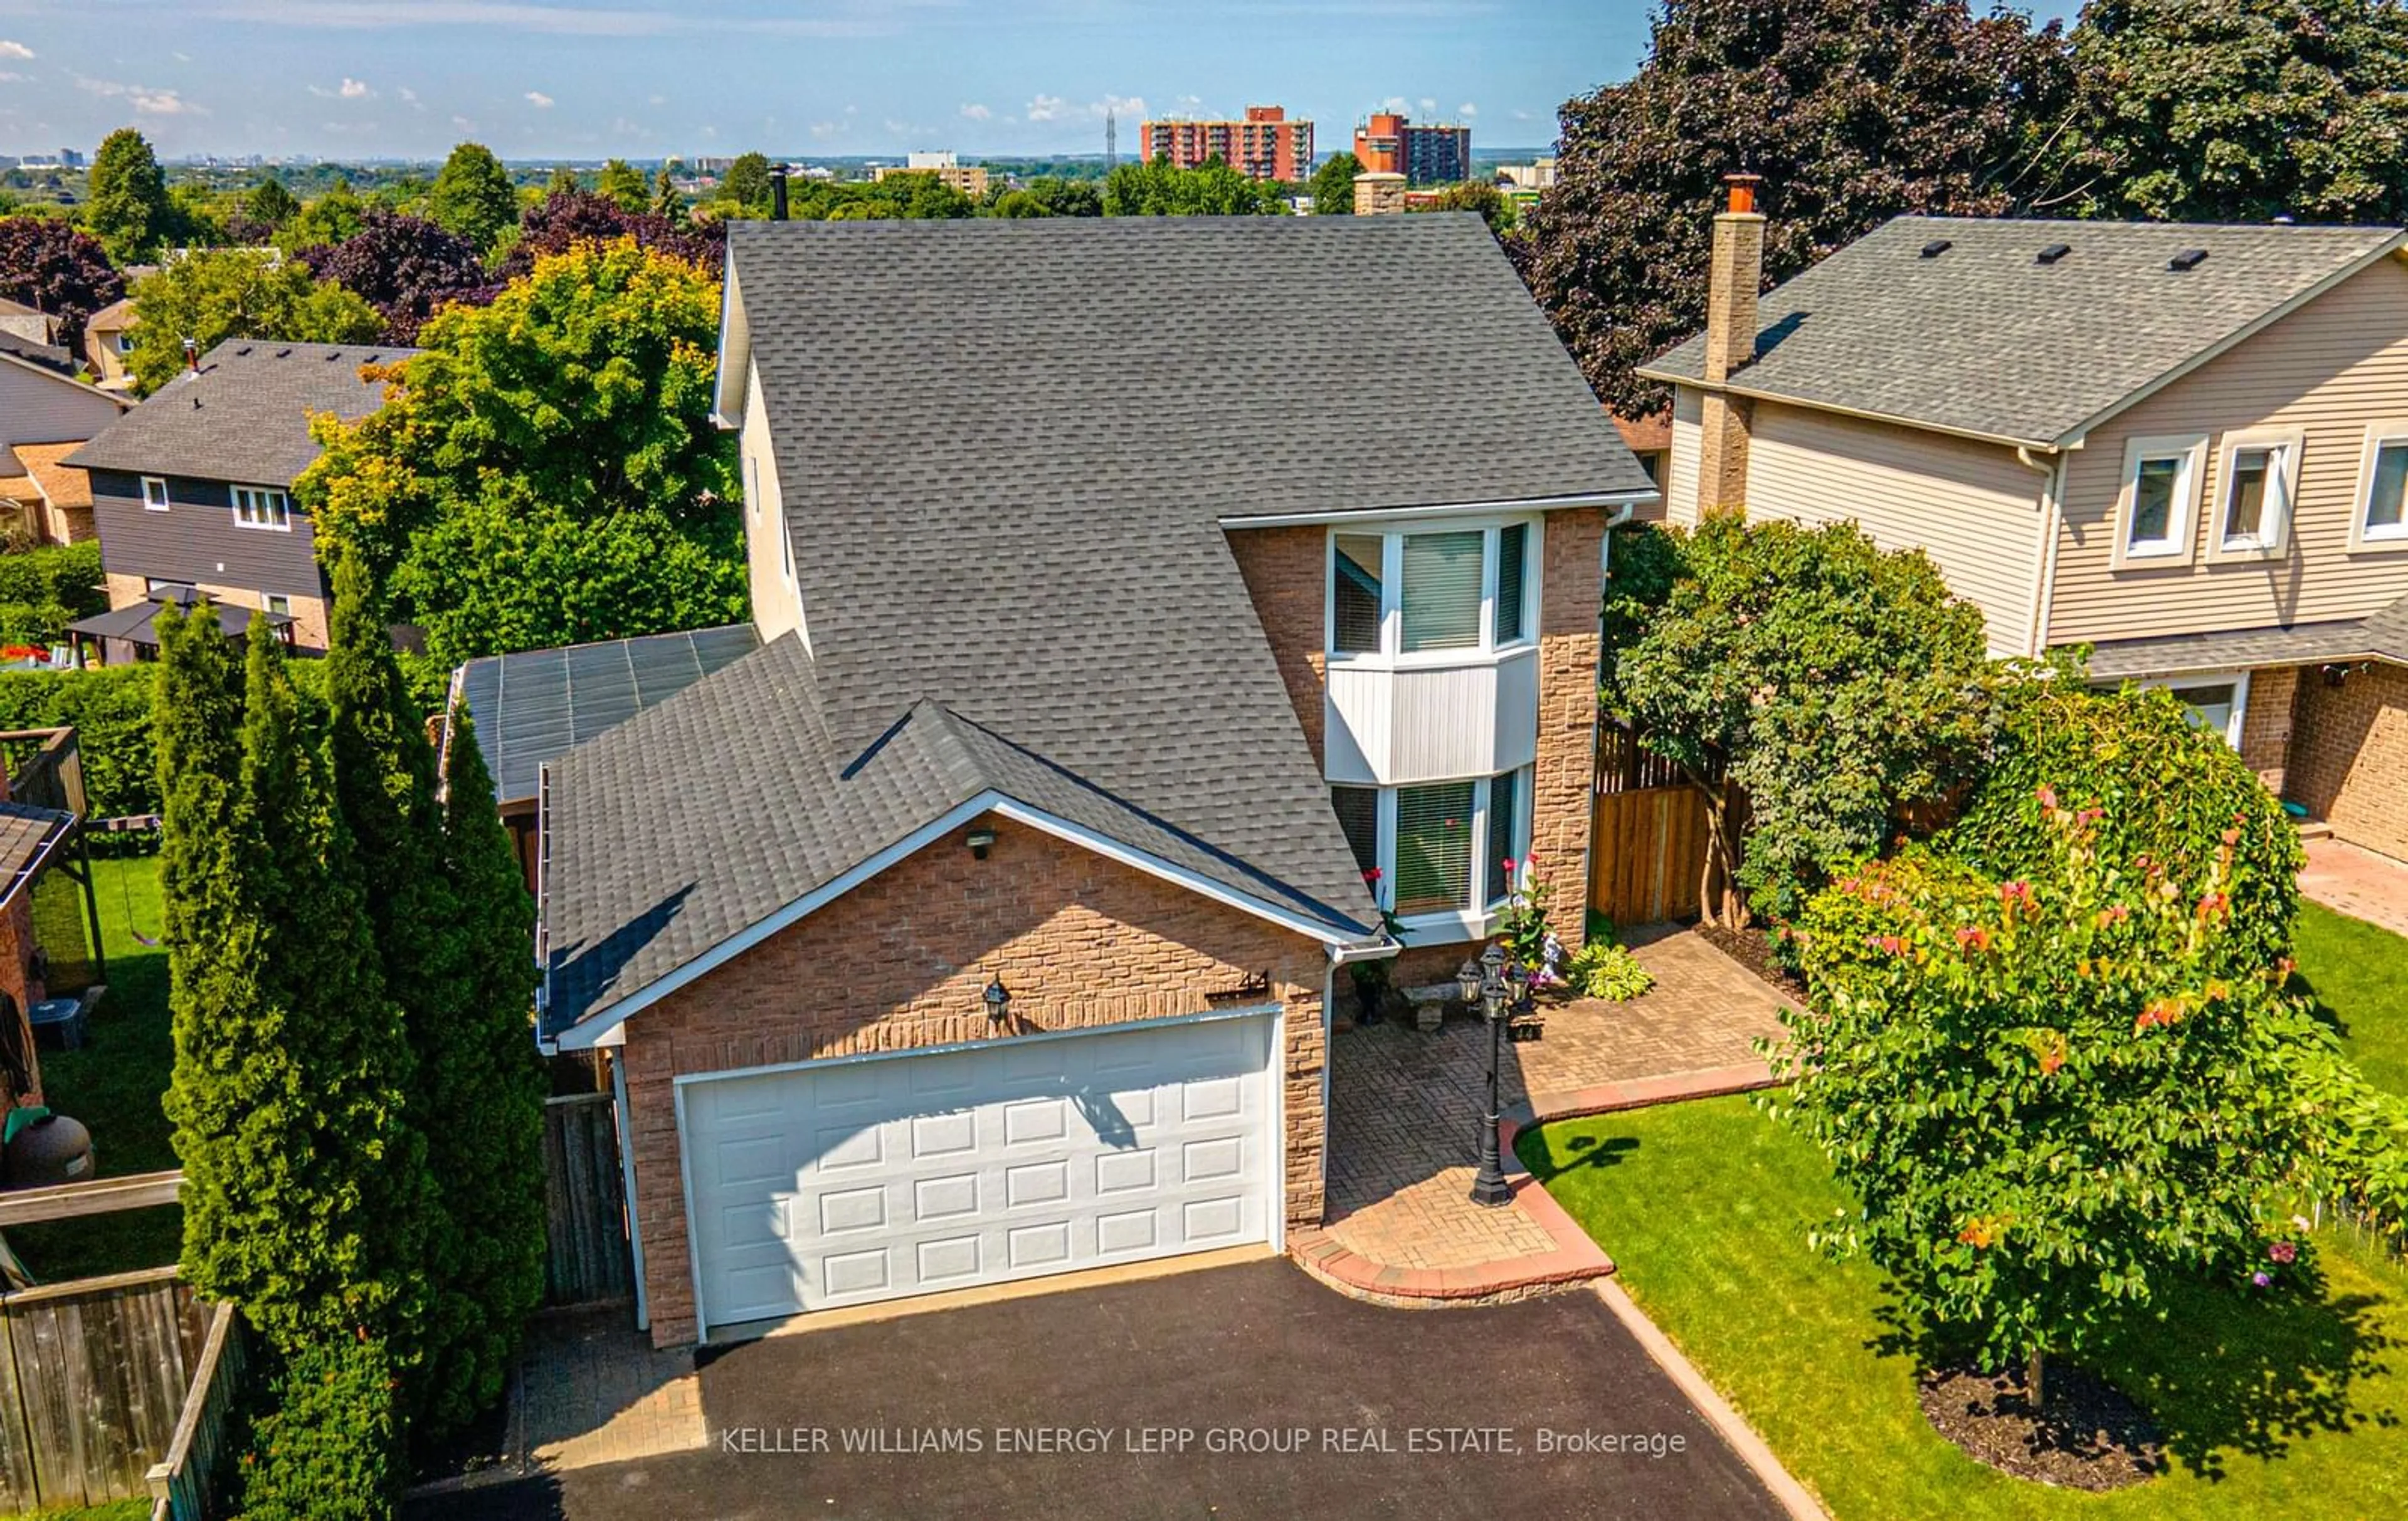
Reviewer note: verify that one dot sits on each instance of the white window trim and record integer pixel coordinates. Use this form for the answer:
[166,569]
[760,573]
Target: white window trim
[162,503]
[2234,727]
[280,520]
[1451,924]
[2362,540]
[267,601]
[1392,656]
[2273,541]
[2183,532]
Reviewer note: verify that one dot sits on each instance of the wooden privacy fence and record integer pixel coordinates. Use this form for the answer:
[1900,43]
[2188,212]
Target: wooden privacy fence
[1648,834]
[92,1383]
[184,1484]
[585,1204]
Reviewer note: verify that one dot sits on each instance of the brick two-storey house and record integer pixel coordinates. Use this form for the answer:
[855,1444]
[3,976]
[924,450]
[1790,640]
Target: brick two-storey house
[2184,446]
[983,923]
[194,487]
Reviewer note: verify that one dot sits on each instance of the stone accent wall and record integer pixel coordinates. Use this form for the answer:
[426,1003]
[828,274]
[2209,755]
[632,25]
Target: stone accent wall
[2349,755]
[2266,726]
[1561,802]
[1286,572]
[901,962]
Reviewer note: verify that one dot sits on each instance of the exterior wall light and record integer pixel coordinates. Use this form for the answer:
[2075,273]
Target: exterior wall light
[980,841]
[999,1000]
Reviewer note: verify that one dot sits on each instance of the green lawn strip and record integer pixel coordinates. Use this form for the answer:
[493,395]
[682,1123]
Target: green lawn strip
[2271,1406]
[114,1085]
[2359,973]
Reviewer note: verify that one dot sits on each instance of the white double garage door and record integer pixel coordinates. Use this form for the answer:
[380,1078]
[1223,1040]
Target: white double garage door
[848,1182]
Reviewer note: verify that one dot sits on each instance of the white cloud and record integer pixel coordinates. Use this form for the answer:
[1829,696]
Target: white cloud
[1466,110]
[1429,107]
[354,89]
[538,99]
[407,93]
[1396,105]
[146,100]
[14,50]
[658,100]
[1127,106]
[1045,109]
[824,130]
[7,78]
[463,124]
[977,114]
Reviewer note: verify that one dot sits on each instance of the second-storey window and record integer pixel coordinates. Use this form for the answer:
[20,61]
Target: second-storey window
[2160,485]
[1427,592]
[2255,498]
[155,494]
[257,507]
[2387,494]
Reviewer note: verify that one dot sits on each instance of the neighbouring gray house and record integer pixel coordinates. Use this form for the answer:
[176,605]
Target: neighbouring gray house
[194,487]
[46,415]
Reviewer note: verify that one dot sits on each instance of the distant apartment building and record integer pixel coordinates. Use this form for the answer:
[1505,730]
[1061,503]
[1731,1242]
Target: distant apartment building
[969,180]
[70,159]
[1428,155]
[1264,146]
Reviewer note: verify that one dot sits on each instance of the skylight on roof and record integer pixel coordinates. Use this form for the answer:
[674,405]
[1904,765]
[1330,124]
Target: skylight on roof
[2054,252]
[2188,259]
[1936,247]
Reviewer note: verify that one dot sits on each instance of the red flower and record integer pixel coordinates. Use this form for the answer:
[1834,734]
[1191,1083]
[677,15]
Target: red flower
[2046,793]
[1371,874]
[1974,938]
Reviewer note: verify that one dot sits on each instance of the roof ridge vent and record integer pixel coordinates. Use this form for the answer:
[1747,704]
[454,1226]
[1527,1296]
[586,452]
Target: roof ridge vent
[1936,247]
[2188,259]
[2054,252]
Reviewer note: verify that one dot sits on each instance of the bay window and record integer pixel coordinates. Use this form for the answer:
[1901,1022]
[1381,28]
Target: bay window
[1434,852]
[1426,593]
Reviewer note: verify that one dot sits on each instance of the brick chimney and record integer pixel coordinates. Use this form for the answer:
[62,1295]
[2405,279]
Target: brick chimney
[1378,195]
[1732,287]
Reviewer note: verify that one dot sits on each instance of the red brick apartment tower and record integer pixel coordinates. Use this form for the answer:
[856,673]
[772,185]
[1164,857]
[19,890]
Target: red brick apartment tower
[1264,146]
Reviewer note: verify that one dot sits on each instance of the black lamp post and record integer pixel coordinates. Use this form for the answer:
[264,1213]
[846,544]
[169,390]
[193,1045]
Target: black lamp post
[1490,1187]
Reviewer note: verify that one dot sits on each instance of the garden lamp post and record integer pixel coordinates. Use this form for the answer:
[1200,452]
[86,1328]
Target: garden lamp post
[1489,1187]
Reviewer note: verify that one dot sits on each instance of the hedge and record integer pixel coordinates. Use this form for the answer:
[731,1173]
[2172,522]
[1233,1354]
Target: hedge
[43,589]
[110,709]
[2170,791]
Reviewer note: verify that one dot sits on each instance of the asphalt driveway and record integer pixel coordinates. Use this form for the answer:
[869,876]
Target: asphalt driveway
[1231,1393]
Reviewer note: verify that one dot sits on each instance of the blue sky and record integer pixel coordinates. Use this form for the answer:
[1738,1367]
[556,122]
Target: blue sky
[535,78]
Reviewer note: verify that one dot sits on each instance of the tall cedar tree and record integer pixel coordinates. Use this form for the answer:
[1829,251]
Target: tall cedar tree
[473,196]
[1854,110]
[474,1099]
[304,1185]
[490,1082]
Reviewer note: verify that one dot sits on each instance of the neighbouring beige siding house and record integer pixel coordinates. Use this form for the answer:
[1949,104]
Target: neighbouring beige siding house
[2184,446]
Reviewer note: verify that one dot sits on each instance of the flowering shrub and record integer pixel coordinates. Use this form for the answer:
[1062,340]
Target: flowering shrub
[2052,1092]
[1532,954]
[2154,791]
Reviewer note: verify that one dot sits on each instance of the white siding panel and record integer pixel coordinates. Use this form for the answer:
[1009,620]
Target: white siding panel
[46,409]
[777,607]
[1516,743]
[1357,724]
[1445,724]
[1973,508]
[2327,370]
[1432,724]
[1681,468]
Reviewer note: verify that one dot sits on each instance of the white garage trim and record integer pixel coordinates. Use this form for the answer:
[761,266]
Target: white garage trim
[1273,1073]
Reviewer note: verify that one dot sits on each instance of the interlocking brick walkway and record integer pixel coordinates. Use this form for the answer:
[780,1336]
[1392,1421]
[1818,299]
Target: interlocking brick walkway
[592,1389]
[1405,1108]
[2357,883]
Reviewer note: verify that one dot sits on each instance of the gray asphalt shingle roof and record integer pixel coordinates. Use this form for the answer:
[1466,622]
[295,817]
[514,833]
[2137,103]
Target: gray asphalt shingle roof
[530,708]
[1984,340]
[1004,451]
[2382,636]
[244,415]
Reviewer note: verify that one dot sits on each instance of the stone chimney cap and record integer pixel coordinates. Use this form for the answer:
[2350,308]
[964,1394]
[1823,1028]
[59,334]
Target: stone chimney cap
[1742,192]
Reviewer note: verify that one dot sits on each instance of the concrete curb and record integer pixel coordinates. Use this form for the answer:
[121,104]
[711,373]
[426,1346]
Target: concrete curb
[1742,1438]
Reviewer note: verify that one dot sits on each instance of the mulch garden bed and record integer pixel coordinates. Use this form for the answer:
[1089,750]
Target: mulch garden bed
[1749,949]
[2091,1437]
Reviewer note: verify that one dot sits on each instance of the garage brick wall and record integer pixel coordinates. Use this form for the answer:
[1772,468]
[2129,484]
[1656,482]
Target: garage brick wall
[901,962]
[1285,571]
[2349,755]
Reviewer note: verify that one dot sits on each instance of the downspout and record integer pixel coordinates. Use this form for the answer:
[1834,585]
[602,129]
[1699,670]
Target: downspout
[2052,515]
[627,1182]
[1620,518]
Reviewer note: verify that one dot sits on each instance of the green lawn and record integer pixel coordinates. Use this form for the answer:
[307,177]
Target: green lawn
[120,1510]
[113,1085]
[2284,1407]
[2359,973]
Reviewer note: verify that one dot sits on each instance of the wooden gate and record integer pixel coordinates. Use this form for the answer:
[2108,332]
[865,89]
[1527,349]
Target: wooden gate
[1648,834]
[586,1213]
